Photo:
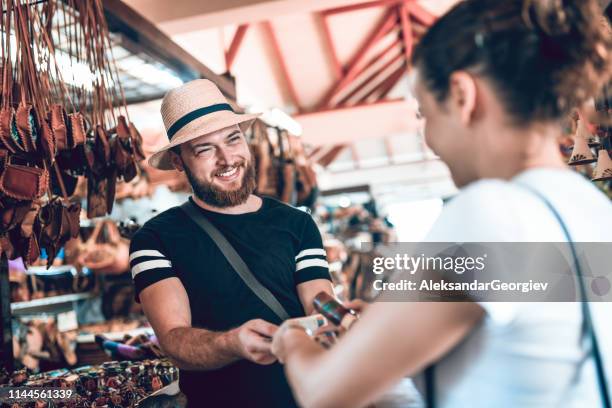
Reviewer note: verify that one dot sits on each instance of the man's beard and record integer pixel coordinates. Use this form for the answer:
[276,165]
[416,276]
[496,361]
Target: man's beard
[211,195]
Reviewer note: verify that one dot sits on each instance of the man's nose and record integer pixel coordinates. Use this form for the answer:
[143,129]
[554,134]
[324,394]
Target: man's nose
[223,156]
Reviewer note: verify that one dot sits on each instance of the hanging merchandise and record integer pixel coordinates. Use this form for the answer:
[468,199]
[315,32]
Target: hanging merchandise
[282,167]
[581,154]
[53,129]
[603,170]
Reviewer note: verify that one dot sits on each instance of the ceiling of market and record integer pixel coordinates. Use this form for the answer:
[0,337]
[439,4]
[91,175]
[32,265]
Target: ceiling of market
[339,67]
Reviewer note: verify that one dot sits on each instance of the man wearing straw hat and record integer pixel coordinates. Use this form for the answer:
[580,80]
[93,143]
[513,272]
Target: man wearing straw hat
[208,320]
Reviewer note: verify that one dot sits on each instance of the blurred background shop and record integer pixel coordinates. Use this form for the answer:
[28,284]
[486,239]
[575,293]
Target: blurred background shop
[340,137]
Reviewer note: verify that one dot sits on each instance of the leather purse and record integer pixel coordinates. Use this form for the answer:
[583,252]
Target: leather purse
[136,138]
[26,120]
[12,215]
[47,142]
[58,120]
[77,129]
[7,122]
[96,196]
[23,182]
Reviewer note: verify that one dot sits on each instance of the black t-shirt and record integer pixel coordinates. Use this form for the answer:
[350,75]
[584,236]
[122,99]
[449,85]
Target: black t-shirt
[282,247]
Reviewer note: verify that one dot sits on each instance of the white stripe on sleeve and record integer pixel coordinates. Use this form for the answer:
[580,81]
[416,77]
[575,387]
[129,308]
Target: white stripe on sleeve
[313,251]
[145,252]
[311,262]
[145,266]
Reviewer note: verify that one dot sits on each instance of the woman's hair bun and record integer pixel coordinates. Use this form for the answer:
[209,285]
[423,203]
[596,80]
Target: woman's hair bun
[577,31]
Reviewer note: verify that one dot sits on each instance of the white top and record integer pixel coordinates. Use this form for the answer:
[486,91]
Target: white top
[525,354]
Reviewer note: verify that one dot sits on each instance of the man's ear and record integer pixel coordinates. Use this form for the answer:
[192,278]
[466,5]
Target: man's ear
[463,96]
[176,160]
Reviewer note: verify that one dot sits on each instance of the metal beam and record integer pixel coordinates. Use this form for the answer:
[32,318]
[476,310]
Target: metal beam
[340,108]
[230,55]
[283,65]
[420,14]
[355,7]
[338,71]
[331,155]
[385,86]
[386,24]
[370,78]
[375,59]
[406,32]
[152,41]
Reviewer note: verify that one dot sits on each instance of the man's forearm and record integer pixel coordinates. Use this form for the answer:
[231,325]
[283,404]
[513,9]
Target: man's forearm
[200,349]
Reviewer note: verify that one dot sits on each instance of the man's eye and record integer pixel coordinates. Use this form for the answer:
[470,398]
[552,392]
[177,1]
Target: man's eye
[203,151]
[234,139]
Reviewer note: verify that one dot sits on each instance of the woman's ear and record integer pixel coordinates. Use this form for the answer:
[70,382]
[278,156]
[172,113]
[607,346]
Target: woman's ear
[463,95]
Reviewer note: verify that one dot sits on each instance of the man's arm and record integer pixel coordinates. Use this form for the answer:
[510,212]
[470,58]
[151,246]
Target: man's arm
[308,290]
[166,306]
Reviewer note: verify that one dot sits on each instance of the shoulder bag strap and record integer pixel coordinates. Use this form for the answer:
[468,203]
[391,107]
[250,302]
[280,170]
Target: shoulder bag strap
[235,260]
[588,328]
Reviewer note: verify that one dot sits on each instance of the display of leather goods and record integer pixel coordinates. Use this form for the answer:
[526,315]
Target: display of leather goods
[12,215]
[136,143]
[59,125]
[23,182]
[7,124]
[25,247]
[603,170]
[102,147]
[47,142]
[69,181]
[4,154]
[105,251]
[111,188]
[90,156]
[31,218]
[26,121]
[6,246]
[59,223]
[77,134]
[123,158]
[96,196]
[581,154]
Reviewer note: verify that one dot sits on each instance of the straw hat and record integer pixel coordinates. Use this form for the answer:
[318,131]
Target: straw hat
[192,110]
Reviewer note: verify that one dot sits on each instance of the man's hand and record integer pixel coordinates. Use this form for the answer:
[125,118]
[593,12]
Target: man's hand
[253,341]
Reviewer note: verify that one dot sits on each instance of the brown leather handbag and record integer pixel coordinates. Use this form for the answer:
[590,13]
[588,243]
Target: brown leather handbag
[136,143]
[58,120]
[23,182]
[60,222]
[96,196]
[7,121]
[48,144]
[77,129]
[26,121]
[12,215]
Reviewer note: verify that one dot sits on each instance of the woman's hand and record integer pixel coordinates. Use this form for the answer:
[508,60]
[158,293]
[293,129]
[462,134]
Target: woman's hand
[357,305]
[287,334]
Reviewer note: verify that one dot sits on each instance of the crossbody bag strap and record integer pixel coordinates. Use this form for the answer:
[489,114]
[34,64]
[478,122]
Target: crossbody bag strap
[235,260]
[588,328]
